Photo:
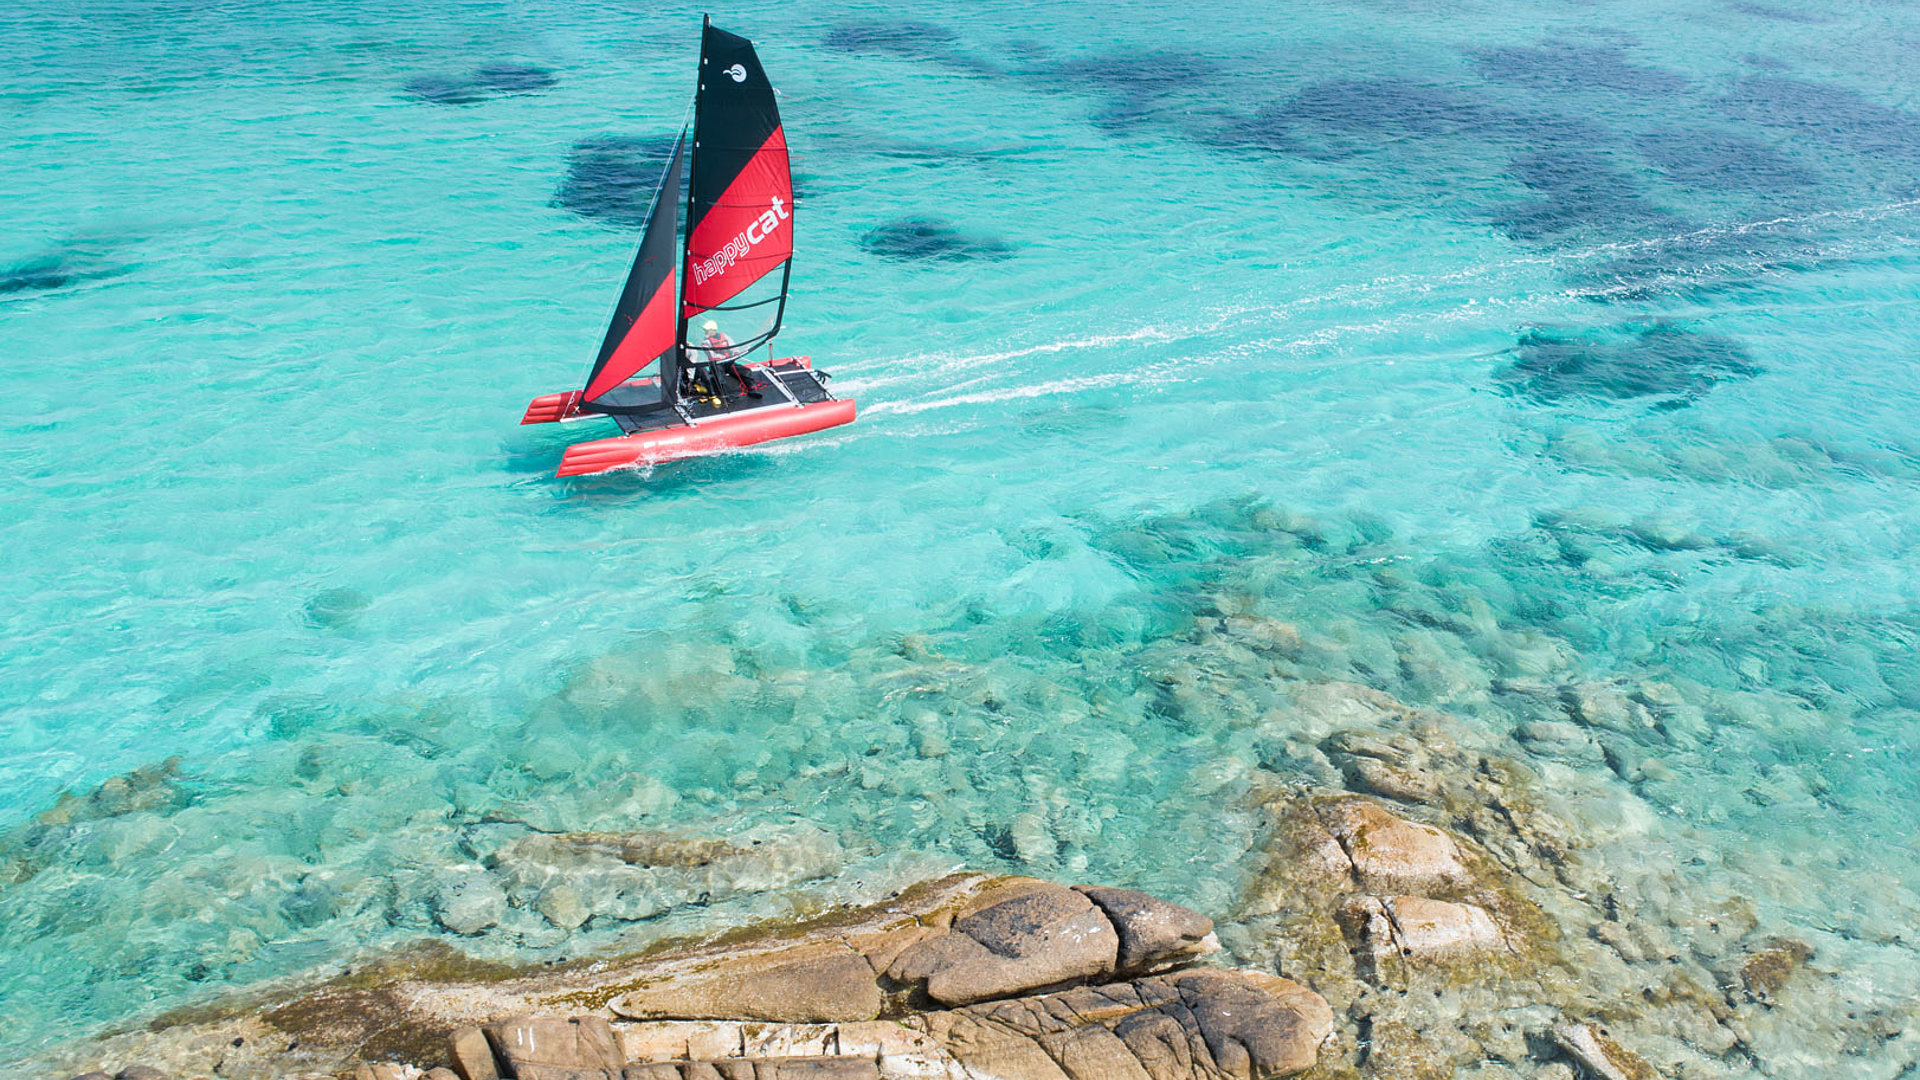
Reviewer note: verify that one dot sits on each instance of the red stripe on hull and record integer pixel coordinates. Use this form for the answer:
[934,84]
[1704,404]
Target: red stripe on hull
[706,437]
[551,408]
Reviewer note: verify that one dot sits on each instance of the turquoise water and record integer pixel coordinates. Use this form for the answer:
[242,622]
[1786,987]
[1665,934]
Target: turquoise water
[1477,342]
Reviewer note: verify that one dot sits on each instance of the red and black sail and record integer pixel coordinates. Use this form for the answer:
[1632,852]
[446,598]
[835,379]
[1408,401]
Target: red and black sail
[645,327]
[740,201]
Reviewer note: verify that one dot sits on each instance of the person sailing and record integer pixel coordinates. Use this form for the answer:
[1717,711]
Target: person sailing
[722,357]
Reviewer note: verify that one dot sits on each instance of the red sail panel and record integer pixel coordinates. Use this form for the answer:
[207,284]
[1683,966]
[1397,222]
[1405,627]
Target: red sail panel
[650,335]
[746,232]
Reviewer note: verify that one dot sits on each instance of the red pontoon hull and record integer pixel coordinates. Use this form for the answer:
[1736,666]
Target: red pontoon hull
[705,437]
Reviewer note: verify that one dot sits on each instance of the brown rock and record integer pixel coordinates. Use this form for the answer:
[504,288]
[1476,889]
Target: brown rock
[1042,937]
[819,983]
[900,1049]
[1253,1031]
[995,1049]
[1389,781]
[378,1072]
[146,1072]
[441,1073]
[681,1040]
[1424,927]
[1093,1053]
[473,1055]
[545,1048]
[1236,1024]
[93,1076]
[1153,933]
[787,1040]
[1595,1051]
[1390,854]
[815,1068]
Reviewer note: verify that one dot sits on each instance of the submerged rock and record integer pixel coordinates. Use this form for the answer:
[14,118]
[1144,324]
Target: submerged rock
[1667,362]
[331,609]
[1599,1055]
[469,901]
[1391,854]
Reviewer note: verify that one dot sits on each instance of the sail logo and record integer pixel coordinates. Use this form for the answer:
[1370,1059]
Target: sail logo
[758,229]
[737,73]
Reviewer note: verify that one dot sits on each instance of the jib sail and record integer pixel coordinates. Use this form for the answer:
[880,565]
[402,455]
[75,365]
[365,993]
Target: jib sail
[739,205]
[645,327]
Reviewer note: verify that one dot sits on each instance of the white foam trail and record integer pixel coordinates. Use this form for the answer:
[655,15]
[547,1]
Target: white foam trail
[1251,325]
[923,362]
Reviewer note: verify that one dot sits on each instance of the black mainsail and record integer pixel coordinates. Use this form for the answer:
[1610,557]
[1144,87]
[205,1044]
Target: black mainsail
[739,202]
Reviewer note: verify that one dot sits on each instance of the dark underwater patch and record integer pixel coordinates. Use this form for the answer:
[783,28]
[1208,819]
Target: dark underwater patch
[1390,106]
[1777,14]
[1626,363]
[480,84]
[36,275]
[913,40]
[514,78]
[55,270]
[610,178]
[905,40]
[1563,66]
[1723,161]
[1339,118]
[931,240]
[1137,86]
[1580,190]
[1833,114]
[332,609]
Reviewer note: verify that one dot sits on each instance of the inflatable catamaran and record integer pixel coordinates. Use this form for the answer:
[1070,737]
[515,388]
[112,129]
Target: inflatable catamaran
[669,373]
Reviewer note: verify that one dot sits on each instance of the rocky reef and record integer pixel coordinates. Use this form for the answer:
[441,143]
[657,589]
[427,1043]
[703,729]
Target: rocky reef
[961,977]
[1440,925]
[1489,856]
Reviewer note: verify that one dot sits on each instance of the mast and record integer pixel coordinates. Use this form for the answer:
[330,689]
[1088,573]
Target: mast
[686,252]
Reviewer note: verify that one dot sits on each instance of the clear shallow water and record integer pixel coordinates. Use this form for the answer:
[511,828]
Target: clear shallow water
[1602,320]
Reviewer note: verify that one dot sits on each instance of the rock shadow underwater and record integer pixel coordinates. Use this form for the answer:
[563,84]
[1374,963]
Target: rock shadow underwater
[928,239]
[483,83]
[610,179]
[1668,366]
